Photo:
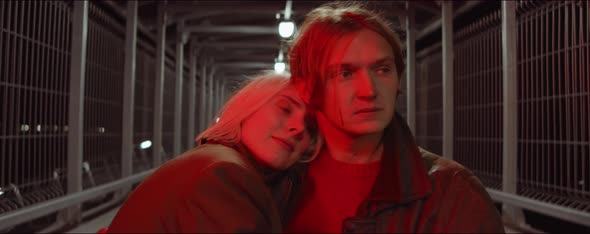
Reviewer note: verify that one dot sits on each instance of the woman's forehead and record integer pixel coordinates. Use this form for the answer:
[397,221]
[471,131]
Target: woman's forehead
[291,94]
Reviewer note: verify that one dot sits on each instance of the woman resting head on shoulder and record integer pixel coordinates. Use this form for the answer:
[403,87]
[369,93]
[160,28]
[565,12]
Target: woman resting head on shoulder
[224,185]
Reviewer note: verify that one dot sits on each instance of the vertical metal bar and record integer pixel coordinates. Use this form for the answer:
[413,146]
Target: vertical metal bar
[411,67]
[192,96]
[61,90]
[587,107]
[178,90]
[159,85]
[572,186]
[129,90]
[37,161]
[21,151]
[27,97]
[510,111]
[545,104]
[447,50]
[535,97]
[203,103]
[4,88]
[76,118]
[19,90]
[567,99]
[11,92]
[527,100]
[557,101]
[217,95]
[223,97]
[210,96]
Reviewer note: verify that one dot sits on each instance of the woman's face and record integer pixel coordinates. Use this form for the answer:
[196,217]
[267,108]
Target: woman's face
[276,134]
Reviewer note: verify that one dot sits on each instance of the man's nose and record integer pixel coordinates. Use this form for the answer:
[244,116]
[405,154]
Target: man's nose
[366,86]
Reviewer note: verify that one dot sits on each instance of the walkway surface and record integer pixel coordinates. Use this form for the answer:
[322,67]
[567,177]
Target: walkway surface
[92,226]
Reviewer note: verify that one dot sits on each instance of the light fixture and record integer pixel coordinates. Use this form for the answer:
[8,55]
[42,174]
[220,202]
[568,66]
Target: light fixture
[145,145]
[286,25]
[280,65]
[286,28]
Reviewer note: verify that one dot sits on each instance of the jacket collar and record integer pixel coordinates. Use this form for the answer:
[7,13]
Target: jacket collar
[267,174]
[403,176]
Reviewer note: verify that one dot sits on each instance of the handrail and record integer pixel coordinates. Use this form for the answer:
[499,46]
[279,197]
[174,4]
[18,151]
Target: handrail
[25,214]
[549,209]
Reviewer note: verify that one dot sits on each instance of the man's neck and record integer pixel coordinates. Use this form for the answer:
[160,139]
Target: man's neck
[349,148]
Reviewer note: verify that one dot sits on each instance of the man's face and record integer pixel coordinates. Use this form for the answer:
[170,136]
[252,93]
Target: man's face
[362,84]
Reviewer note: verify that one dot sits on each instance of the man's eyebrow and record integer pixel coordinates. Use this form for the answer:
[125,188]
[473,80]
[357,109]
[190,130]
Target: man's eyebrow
[296,103]
[384,60]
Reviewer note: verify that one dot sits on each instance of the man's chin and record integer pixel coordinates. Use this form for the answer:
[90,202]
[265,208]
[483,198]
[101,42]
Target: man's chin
[367,128]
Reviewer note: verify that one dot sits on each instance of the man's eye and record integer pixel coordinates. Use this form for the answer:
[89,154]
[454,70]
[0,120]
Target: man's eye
[385,70]
[345,74]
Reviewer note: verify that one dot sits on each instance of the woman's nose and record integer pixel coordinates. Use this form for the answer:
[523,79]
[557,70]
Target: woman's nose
[296,128]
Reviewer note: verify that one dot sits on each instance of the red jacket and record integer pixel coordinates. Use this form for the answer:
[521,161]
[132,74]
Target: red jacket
[417,191]
[211,188]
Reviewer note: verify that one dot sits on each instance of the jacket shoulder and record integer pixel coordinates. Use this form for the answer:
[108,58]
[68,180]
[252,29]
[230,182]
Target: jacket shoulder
[437,164]
[445,172]
[196,162]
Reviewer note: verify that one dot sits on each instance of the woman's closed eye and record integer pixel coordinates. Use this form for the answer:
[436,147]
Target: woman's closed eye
[284,106]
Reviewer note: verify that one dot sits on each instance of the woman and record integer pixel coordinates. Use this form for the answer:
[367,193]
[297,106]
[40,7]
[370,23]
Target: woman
[225,184]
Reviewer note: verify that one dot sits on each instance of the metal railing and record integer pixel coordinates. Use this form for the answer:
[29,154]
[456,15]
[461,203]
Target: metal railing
[553,96]
[553,156]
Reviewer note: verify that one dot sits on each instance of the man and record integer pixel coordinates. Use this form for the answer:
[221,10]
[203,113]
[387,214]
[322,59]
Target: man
[371,176]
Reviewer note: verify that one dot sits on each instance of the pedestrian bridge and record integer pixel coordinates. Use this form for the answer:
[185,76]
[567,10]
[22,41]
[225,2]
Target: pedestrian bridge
[95,95]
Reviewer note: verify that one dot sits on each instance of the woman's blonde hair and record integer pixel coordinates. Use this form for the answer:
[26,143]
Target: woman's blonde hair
[249,99]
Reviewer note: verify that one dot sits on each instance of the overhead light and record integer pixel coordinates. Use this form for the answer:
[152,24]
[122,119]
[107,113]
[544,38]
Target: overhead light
[145,144]
[286,29]
[279,67]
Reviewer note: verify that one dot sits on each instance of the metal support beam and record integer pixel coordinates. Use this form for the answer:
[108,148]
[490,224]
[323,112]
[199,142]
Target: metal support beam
[242,29]
[178,90]
[255,65]
[288,9]
[468,5]
[203,95]
[447,50]
[217,95]
[231,45]
[210,98]
[223,98]
[76,105]
[159,85]
[510,111]
[192,96]
[129,89]
[411,67]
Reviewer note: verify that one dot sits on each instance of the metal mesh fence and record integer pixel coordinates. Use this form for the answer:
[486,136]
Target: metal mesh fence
[478,98]
[553,97]
[34,72]
[429,102]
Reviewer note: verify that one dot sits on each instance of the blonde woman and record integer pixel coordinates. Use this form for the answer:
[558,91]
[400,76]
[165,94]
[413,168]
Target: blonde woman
[226,184]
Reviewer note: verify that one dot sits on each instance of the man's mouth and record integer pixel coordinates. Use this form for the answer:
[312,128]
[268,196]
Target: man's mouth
[368,110]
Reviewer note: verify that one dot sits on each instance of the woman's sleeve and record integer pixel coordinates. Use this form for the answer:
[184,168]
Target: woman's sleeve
[228,198]
[223,197]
